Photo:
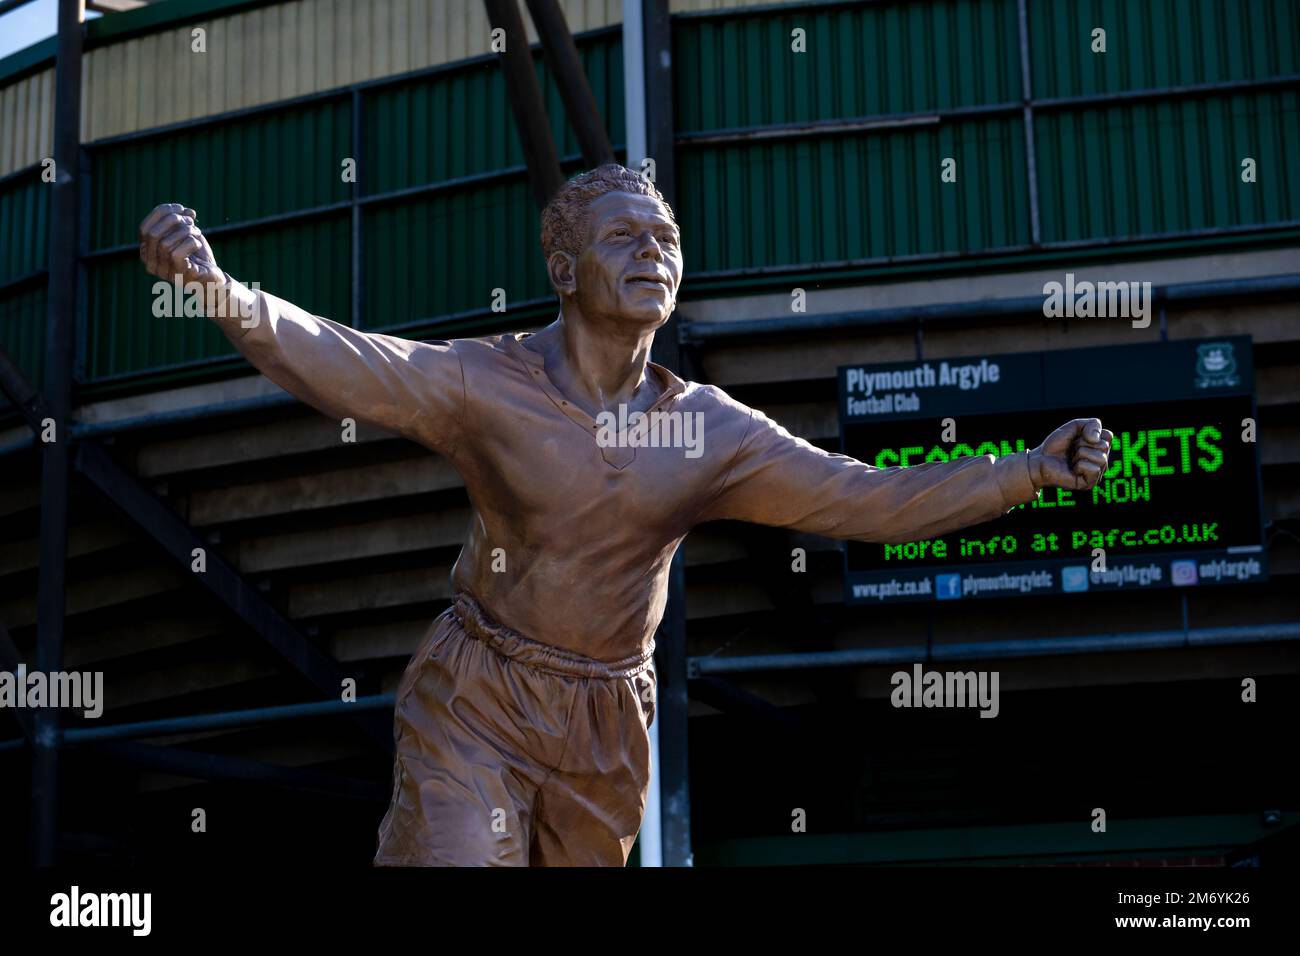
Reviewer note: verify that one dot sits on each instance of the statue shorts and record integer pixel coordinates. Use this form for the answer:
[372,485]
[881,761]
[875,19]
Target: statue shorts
[511,752]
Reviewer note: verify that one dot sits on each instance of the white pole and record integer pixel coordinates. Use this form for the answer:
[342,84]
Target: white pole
[634,83]
[652,845]
[651,838]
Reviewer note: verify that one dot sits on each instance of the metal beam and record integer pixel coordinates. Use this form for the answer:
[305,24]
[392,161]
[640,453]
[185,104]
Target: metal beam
[230,719]
[994,650]
[794,608]
[820,128]
[1017,841]
[18,390]
[1031,145]
[205,766]
[180,542]
[657,60]
[185,416]
[728,697]
[314,213]
[1028,306]
[1286,81]
[579,102]
[1025,107]
[357,221]
[65,218]
[32,280]
[1168,244]
[526,101]
[9,661]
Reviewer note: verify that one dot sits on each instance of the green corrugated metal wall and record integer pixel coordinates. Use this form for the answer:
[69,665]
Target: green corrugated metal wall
[445,253]
[862,61]
[246,169]
[307,263]
[1159,43]
[1116,170]
[425,256]
[24,247]
[850,196]
[1169,167]
[22,333]
[262,165]
[853,197]
[458,123]
[24,226]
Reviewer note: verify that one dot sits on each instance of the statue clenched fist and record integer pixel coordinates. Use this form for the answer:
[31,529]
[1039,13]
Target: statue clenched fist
[1075,456]
[171,245]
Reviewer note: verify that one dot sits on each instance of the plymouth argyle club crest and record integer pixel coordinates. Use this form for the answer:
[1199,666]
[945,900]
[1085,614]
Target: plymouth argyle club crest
[1216,367]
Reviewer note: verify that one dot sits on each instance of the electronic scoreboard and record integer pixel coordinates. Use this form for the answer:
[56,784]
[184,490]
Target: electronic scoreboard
[1179,506]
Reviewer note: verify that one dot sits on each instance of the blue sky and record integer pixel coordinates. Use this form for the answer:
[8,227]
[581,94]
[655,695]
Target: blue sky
[30,24]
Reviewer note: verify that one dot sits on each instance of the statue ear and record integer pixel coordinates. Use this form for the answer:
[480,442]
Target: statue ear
[563,271]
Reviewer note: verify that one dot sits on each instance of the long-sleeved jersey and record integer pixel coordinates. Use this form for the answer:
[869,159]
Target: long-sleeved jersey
[575,520]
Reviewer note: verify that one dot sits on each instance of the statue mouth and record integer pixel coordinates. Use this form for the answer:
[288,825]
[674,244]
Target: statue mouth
[648,280]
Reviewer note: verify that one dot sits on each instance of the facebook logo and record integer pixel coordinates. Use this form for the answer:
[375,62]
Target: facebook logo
[947,586]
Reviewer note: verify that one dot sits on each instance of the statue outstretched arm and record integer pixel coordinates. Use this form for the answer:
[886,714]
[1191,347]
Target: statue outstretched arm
[778,479]
[414,389]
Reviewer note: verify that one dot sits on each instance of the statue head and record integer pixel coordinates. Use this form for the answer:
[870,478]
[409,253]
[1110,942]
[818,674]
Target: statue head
[613,251]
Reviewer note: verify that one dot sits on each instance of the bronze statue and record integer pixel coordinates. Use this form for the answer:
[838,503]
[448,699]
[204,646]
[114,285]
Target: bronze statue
[521,721]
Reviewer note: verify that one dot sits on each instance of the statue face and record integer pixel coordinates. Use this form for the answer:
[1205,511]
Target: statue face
[631,265]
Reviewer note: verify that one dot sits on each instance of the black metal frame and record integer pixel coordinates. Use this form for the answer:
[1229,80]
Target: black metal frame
[695,333]
[526,102]
[194,723]
[56,409]
[179,541]
[1020,648]
[579,103]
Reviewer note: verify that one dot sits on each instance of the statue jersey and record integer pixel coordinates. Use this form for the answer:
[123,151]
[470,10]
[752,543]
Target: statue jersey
[576,519]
